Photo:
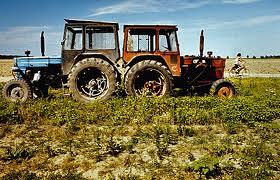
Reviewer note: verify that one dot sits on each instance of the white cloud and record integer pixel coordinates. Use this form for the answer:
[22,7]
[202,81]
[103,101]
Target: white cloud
[239,1]
[15,40]
[123,7]
[144,6]
[243,23]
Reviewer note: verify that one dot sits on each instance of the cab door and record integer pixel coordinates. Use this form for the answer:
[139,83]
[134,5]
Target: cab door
[72,46]
[169,49]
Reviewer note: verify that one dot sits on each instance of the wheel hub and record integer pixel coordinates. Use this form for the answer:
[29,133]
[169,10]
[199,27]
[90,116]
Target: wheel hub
[153,87]
[17,93]
[225,92]
[96,87]
[149,82]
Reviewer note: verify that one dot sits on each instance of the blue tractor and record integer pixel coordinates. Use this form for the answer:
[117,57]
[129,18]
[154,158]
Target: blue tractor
[90,50]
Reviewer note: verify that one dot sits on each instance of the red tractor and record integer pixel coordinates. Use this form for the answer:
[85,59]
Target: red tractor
[151,54]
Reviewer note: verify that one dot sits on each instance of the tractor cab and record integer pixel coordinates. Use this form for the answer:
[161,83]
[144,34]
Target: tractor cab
[86,38]
[154,42]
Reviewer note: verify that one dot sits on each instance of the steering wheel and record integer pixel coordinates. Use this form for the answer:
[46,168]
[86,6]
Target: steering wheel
[200,63]
[166,48]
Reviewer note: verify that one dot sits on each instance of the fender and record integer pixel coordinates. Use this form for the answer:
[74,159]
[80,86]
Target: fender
[82,56]
[137,59]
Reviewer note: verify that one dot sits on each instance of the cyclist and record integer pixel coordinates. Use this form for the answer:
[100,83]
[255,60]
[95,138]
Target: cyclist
[239,63]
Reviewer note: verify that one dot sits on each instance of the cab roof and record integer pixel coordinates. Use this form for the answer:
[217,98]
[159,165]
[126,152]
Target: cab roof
[150,26]
[93,22]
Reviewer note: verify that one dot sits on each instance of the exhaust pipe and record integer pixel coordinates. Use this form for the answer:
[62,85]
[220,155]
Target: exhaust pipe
[42,43]
[201,46]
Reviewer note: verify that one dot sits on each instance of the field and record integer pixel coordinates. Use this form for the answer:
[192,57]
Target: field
[259,66]
[5,67]
[256,66]
[182,137]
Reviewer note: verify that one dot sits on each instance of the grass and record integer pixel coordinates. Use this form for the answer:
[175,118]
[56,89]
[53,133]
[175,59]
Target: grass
[145,138]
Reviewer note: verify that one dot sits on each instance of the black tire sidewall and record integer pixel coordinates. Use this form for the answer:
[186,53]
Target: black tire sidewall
[142,66]
[97,63]
[219,84]
[21,83]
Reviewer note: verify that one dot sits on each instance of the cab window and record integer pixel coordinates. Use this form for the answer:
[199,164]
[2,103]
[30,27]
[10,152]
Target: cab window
[73,38]
[167,41]
[141,40]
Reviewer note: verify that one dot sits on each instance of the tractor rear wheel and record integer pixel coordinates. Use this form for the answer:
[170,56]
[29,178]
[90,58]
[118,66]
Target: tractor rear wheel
[92,79]
[149,78]
[17,91]
[223,88]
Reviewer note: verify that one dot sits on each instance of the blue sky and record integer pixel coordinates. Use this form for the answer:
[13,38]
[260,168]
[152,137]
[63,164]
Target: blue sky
[251,27]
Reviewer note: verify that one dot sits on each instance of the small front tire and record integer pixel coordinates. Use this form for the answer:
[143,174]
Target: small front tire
[223,88]
[17,91]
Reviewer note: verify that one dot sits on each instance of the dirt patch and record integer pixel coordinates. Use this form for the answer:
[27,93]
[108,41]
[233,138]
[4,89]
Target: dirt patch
[5,68]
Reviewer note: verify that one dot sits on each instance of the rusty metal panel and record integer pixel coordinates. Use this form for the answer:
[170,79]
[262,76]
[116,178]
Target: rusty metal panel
[171,57]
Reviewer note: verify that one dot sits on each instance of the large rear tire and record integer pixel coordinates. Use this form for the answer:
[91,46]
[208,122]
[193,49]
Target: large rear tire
[223,88]
[92,79]
[149,78]
[17,90]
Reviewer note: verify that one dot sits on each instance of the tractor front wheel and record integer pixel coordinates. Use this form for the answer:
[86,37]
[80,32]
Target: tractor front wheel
[148,78]
[92,79]
[223,88]
[17,91]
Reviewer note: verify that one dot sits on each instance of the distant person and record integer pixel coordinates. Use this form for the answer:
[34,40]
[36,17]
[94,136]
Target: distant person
[239,63]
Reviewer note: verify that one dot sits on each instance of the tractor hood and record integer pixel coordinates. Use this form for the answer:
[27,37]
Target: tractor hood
[35,62]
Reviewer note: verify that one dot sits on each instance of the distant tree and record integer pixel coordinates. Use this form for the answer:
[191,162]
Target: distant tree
[248,56]
[254,57]
[262,57]
[227,57]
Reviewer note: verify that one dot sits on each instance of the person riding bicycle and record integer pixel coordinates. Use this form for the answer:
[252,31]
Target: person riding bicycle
[238,63]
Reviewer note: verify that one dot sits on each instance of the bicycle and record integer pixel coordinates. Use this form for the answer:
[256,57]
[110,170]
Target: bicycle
[245,72]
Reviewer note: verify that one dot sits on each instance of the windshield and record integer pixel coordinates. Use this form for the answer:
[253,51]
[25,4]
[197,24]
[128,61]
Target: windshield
[73,38]
[100,38]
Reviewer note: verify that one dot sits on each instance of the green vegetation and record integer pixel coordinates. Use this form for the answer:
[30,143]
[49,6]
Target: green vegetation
[143,138]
